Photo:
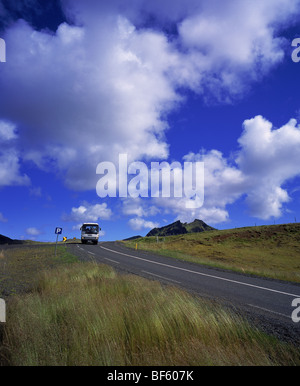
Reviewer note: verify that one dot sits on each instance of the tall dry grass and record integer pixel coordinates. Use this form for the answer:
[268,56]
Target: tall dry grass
[87,314]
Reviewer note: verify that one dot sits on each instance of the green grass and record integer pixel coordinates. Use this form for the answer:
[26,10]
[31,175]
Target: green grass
[64,312]
[268,251]
[19,266]
[87,314]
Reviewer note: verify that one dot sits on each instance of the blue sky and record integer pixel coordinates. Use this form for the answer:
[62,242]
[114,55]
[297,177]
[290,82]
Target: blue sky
[85,81]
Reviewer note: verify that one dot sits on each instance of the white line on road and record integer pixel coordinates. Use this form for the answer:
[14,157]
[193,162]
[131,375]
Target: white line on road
[273,312]
[111,260]
[91,253]
[203,274]
[162,277]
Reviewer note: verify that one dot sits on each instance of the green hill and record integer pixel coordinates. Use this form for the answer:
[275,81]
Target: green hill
[7,240]
[269,250]
[179,228]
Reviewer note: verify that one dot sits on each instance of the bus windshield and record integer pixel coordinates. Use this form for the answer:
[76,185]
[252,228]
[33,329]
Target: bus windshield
[90,228]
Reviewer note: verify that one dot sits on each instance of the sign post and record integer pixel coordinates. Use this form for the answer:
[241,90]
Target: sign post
[58,231]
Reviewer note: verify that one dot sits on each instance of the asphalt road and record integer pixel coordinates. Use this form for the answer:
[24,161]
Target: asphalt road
[270,301]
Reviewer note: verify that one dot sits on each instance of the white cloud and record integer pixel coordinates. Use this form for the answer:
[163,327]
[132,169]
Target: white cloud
[10,169]
[266,160]
[267,201]
[223,181]
[104,84]
[138,207]
[10,157]
[234,43]
[7,131]
[2,218]
[32,231]
[139,223]
[88,212]
[88,94]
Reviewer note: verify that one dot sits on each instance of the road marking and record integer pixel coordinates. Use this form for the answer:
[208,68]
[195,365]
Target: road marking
[203,274]
[265,309]
[111,260]
[162,277]
[91,253]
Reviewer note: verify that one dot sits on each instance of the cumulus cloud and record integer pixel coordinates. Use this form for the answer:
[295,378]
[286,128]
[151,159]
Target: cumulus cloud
[2,218]
[177,208]
[139,223]
[88,212]
[138,207]
[32,231]
[81,98]
[104,82]
[10,173]
[267,159]
[7,131]
[236,33]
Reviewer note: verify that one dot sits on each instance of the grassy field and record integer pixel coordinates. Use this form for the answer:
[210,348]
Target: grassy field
[65,312]
[19,266]
[270,251]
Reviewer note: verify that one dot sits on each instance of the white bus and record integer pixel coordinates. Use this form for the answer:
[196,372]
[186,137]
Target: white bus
[90,232]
